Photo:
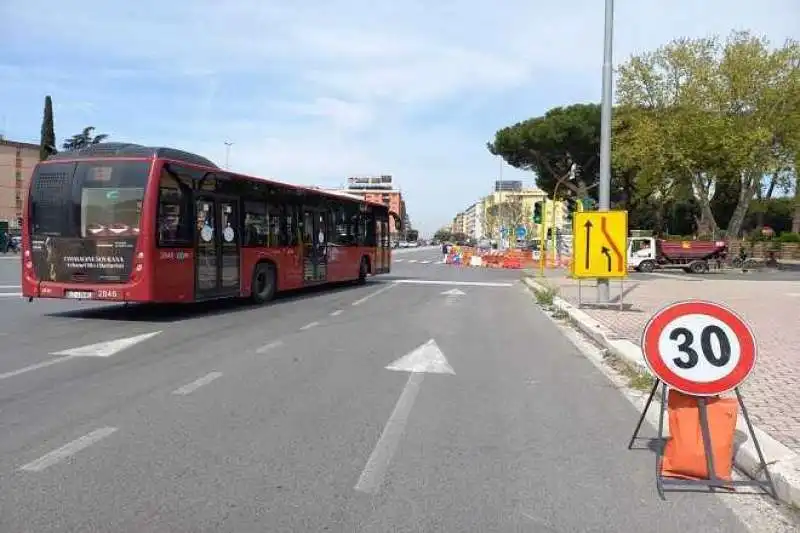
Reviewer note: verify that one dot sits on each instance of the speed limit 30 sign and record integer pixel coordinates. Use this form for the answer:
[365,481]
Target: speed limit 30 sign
[699,348]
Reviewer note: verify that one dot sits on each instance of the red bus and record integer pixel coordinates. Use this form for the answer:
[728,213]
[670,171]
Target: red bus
[129,223]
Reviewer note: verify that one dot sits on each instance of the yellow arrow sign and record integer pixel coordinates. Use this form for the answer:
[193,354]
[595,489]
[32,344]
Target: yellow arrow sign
[599,244]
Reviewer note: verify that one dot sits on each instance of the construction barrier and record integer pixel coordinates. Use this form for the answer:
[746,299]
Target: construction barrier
[510,259]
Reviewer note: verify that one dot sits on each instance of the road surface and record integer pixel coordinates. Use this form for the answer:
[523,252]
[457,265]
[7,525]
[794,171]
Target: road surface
[227,417]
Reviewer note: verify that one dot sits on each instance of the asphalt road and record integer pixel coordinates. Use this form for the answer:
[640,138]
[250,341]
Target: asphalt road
[285,418]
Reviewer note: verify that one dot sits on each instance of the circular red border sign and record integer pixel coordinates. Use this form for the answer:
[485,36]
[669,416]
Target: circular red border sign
[658,322]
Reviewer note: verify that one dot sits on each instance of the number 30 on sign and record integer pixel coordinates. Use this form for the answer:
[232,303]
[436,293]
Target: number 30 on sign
[699,348]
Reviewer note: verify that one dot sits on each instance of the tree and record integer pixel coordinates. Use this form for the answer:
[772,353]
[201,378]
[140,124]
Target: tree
[83,139]
[707,114]
[443,235]
[550,144]
[47,143]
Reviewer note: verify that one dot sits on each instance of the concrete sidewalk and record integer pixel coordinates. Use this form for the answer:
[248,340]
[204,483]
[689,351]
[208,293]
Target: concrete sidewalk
[771,308]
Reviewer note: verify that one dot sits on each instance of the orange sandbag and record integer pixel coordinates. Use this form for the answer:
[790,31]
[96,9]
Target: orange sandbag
[684,454]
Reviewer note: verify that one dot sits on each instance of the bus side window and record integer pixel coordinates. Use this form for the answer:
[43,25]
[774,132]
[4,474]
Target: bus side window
[174,223]
[256,224]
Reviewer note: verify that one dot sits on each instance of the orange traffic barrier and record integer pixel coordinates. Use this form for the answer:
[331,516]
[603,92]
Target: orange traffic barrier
[684,454]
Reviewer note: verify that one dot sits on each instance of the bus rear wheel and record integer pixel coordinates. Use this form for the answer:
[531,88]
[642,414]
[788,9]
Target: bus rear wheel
[264,283]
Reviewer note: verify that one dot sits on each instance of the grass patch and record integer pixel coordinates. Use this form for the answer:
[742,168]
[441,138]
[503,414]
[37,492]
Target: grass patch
[637,379]
[545,294]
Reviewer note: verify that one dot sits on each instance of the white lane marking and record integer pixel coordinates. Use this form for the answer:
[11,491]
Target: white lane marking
[412,260]
[107,348]
[337,312]
[196,384]
[10,294]
[37,366]
[372,476]
[309,326]
[270,346]
[425,262]
[399,260]
[68,450]
[10,286]
[445,282]
[372,294]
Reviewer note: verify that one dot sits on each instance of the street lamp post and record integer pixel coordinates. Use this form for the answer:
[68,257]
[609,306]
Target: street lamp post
[228,145]
[603,292]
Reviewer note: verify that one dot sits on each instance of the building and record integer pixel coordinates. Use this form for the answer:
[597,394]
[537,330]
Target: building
[458,225]
[473,220]
[511,206]
[381,189]
[17,160]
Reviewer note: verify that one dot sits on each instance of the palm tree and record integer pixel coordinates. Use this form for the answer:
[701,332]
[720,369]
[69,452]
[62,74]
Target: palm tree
[83,139]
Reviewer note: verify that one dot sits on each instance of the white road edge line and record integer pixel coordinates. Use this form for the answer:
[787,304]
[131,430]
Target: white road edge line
[372,476]
[309,326]
[448,282]
[337,312]
[196,384]
[37,366]
[270,346]
[56,456]
[370,295]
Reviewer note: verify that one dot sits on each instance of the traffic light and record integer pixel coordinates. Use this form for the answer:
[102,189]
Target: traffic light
[571,205]
[537,212]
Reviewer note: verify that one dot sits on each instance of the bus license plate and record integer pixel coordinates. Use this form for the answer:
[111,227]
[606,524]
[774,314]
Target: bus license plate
[78,295]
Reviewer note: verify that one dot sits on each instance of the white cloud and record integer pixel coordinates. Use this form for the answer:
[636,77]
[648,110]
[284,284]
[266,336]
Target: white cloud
[317,90]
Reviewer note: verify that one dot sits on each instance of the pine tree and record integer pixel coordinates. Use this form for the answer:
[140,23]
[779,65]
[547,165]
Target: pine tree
[47,145]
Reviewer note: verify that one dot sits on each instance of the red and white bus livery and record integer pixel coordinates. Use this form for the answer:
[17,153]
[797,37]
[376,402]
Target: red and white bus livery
[129,223]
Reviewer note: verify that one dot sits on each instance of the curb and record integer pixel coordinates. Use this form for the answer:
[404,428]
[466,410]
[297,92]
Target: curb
[783,463]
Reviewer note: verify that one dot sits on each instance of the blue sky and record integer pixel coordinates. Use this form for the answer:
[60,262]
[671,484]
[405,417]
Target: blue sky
[331,88]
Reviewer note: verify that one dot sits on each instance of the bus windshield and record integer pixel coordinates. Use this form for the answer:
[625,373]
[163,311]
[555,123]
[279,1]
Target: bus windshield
[88,199]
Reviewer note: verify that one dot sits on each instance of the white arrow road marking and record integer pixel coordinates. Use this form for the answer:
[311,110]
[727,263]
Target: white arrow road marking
[107,348]
[56,456]
[101,349]
[427,358]
[452,296]
[454,292]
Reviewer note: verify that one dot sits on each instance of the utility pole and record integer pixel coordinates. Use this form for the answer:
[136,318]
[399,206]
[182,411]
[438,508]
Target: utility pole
[603,292]
[228,145]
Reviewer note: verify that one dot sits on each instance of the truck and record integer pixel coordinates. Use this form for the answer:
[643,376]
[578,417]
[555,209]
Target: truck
[646,254]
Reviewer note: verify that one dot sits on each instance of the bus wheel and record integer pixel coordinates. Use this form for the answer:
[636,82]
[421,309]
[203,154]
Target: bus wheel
[263,288]
[363,270]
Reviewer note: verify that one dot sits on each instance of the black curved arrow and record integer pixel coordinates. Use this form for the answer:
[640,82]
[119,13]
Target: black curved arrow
[588,227]
[606,252]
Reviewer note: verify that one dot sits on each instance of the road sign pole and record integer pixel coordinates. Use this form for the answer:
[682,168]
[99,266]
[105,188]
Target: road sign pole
[543,239]
[553,231]
[604,190]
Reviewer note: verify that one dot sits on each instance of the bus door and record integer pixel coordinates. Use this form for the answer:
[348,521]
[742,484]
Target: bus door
[383,252]
[217,247]
[315,245]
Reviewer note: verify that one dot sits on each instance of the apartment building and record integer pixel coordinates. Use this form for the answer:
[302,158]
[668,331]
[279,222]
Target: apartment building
[473,220]
[458,225]
[17,160]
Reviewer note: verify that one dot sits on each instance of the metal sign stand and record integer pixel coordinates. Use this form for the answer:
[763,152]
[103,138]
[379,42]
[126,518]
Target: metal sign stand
[713,481]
